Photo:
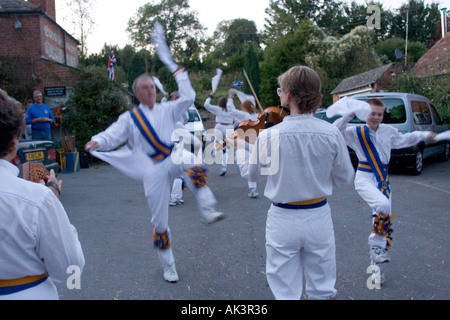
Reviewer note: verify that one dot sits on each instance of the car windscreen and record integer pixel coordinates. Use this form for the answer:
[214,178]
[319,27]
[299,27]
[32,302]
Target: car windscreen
[395,111]
[193,116]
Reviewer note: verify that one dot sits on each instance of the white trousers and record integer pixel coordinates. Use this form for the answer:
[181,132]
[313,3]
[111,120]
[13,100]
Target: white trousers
[367,187]
[177,189]
[156,177]
[300,242]
[224,129]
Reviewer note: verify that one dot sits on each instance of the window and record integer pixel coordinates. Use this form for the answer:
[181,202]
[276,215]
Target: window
[421,112]
[436,117]
[193,115]
[395,111]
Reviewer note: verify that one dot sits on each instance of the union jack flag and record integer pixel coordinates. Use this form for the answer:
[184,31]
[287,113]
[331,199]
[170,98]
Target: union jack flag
[112,62]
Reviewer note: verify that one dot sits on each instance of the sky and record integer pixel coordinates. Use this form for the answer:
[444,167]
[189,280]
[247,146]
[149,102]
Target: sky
[111,16]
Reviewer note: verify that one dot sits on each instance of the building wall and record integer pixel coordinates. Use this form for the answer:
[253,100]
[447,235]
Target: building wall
[39,52]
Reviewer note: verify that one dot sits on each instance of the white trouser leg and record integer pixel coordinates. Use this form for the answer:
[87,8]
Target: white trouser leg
[367,187]
[252,185]
[204,196]
[297,239]
[177,189]
[157,192]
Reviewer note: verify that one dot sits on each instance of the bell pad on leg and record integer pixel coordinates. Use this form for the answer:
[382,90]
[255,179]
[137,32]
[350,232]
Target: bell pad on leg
[161,241]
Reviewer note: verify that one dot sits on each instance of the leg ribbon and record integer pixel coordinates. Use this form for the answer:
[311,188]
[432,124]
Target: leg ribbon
[161,241]
[198,176]
[382,226]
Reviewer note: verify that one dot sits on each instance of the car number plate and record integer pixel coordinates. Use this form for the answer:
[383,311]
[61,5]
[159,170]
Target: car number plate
[34,156]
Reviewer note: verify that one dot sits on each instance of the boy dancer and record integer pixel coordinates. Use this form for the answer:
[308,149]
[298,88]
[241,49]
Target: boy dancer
[372,144]
[312,157]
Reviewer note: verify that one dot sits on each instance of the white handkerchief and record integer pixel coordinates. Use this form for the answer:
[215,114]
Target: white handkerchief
[127,162]
[216,79]
[443,136]
[164,54]
[348,105]
[244,97]
[159,85]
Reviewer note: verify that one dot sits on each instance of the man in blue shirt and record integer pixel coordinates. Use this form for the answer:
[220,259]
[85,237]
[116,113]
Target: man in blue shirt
[40,116]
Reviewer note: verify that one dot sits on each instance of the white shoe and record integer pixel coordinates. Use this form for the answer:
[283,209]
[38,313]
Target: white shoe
[170,273]
[223,172]
[379,255]
[209,216]
[175,202]
[253,194]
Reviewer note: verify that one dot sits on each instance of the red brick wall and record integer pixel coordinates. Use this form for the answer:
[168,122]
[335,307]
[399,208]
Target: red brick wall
[39,37]
[47,6]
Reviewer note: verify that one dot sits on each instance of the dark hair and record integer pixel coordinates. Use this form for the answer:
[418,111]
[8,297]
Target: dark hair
[223,103]
[12,123]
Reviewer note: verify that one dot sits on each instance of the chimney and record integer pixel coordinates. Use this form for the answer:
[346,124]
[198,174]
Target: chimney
[48,6]
[444,21]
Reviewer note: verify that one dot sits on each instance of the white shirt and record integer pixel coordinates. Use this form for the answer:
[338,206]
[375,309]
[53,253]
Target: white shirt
[384,139]
[163,117]
[221,115]
[240,116]
[312,158]
[35,233]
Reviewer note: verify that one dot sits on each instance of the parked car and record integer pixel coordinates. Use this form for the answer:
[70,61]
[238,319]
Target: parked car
[195,123]
[408,112]
[43,151]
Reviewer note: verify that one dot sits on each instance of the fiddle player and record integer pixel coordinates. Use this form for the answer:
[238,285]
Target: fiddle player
[312,158]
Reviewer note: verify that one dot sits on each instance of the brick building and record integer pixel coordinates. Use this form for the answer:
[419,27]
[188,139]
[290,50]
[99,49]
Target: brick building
[36,52]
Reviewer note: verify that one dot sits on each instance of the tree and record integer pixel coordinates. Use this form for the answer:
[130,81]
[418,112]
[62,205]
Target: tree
[422,21]
[82,21]
[181,25]
[96,103]
[386,49]
[229,42]
[252,68]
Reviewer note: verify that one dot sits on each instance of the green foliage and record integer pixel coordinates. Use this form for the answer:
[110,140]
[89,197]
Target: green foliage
[386,49]
[435,88]
[96,104]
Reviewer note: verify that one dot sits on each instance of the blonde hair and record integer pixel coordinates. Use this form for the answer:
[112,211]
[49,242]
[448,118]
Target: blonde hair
[305,86]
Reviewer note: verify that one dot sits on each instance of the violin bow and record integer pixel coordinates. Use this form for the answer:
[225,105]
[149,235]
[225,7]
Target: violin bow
[254,94]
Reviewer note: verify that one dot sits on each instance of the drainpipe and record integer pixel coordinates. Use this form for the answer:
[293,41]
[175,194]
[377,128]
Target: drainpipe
[444,21]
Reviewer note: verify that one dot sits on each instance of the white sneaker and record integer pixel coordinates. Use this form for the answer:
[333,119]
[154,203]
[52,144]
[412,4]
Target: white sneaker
[209,216]
[223,172]
[170,273]
[379,255]
[175,202]
[253,194]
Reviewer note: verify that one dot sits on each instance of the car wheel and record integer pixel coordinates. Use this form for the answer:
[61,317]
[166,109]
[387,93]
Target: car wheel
[418,163]
[446,153]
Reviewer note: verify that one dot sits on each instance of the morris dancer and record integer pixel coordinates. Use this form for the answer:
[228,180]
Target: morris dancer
[246,113]
[312,157]
[372,144]
[224,121]
[148,130]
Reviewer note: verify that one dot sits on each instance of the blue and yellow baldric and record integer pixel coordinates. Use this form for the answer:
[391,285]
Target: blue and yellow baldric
[374,163]
[162,150]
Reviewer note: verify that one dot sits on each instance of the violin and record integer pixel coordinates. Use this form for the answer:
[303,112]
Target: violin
[268,118]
